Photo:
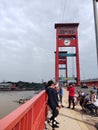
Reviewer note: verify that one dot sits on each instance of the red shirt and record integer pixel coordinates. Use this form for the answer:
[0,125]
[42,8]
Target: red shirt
[71,90]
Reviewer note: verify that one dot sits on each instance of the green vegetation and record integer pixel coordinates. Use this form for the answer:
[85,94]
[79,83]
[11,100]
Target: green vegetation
[28,86]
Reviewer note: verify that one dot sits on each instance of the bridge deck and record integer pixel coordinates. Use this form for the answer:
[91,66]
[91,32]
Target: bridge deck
[74,119]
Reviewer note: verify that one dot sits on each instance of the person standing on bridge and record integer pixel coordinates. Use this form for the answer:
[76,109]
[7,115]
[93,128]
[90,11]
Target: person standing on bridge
[71,89]
[53,102]
[61,94]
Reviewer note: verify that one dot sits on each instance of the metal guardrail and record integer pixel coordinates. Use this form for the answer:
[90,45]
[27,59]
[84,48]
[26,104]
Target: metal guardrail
[29,116]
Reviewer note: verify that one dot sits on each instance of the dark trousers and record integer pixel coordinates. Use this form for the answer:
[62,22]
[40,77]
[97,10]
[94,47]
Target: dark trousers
[55,113]
[91,107]
[71,101]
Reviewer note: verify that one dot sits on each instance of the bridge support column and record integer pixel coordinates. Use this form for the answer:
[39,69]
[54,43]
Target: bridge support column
[67,36]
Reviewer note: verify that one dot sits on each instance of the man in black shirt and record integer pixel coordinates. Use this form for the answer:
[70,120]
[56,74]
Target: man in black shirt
[53,102]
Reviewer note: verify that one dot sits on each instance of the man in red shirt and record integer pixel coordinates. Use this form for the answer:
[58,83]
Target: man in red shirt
[71,89]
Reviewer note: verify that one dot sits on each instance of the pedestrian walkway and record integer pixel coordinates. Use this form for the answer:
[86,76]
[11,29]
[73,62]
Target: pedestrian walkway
[74,119]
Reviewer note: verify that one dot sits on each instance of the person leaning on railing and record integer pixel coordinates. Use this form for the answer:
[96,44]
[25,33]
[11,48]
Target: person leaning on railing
[53,103]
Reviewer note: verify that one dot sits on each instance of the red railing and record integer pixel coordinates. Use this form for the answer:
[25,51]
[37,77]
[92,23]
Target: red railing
[29,116]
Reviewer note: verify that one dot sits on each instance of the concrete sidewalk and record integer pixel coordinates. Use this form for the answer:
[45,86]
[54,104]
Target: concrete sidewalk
[74,119]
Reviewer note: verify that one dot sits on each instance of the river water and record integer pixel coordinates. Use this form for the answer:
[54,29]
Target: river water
[8,100]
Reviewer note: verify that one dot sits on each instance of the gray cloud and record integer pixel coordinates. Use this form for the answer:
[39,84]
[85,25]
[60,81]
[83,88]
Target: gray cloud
[28,39]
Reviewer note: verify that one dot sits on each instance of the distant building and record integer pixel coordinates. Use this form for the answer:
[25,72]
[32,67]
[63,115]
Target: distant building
[90,82]
[5,86]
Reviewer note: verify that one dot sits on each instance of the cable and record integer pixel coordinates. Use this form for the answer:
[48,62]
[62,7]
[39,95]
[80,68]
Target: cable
[60,12]
[65,5]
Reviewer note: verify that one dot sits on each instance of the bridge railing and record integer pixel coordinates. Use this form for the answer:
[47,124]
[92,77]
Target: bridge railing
[29,116]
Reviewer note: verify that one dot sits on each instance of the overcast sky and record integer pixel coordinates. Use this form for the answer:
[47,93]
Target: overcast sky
[27,37]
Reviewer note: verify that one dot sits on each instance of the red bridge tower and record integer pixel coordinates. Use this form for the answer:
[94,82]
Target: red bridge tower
[66,36]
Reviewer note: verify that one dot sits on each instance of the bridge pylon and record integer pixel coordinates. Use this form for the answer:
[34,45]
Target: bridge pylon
[66,36]
[63,62]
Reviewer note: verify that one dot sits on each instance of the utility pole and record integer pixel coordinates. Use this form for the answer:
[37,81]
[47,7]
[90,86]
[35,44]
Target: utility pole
[96,33]
[96,25]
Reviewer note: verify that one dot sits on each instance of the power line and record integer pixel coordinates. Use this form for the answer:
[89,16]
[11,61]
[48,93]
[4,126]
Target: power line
[64,10]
